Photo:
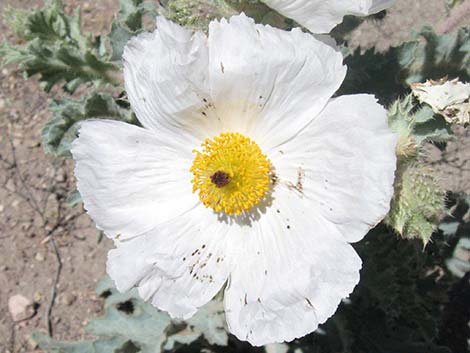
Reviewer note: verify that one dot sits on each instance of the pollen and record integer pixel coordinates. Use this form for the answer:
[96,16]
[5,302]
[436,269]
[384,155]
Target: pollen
[231,173]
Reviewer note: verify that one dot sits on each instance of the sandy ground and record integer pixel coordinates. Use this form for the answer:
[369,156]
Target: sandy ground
[33,187]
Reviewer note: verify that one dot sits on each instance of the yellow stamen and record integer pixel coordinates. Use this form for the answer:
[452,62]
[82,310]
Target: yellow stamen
[231,173]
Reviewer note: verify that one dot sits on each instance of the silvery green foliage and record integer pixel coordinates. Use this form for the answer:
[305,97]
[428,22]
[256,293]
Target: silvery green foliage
[459,264]
[59,132]
[128,23]
[56,49]
[131,325]
[456,228]
[73,199]
[418,202]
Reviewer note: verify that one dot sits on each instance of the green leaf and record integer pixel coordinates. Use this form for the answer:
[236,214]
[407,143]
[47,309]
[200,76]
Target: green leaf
[456,228]
[118,38]
[55,49]
[440,55]
[424,115]
[401,117]
[416,125]
[59,133]
[139,322]
[209,322]
[435,130]
[73,199]
[130,13]
[16,19]
[113,345]
[459,264]
[131,325]
[128,23]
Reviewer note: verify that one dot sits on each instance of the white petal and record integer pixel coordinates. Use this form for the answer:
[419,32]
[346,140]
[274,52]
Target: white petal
[344,162]
[321,16]
[165,74]
[292,270]
[179,266]
[130,178]
[267,83]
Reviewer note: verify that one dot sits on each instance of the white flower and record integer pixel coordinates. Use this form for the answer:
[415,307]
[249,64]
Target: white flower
[321,16]
[285,179]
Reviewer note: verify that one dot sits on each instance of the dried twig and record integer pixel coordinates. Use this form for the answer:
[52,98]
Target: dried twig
[54,287]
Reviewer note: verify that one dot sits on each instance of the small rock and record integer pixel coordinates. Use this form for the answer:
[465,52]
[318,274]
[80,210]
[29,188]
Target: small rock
[34,144]
[86,7]
[2,104]
[4,268]
[15,203]
[69,298]
[39,257]
[38,222]
[10,185]
[2,208]
[60,177]
[21,308]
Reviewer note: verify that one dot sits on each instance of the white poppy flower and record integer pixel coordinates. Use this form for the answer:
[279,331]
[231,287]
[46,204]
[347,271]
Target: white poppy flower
[246,172]
[321,16]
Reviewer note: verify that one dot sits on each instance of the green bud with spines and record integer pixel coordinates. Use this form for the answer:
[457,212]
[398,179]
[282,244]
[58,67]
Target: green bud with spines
[418,203]
[402,120]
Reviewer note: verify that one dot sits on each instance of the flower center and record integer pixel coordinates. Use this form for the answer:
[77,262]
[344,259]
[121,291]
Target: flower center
[230,173]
